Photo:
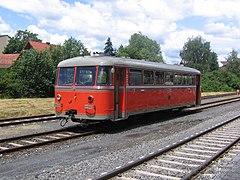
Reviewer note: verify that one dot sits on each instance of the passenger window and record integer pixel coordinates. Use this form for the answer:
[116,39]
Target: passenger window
[135,77]
[185,79]
[66,76]
[104,76]
[169,78]
[159,77]
[85,76]
[148,77]
[177,79]
[191,80]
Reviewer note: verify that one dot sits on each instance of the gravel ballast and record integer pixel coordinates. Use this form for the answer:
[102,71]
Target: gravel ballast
[90,156]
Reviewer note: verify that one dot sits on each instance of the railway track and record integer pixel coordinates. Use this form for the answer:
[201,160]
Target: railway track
[39,139]
[25,120]
[184,159]
[49,117]
[215,103]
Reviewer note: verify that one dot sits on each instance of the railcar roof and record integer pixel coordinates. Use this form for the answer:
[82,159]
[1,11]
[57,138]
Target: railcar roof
[124,62]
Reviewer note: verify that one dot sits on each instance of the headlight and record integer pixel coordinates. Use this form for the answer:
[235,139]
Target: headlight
[90,99]
[59,97]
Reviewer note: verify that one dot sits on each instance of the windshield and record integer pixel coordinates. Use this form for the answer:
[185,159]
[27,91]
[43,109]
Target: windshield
[85,76]
[66,76]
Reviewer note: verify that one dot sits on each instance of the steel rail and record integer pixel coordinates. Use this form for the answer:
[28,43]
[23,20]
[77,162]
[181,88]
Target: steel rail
[132,164]
[49,141]
[213,104]
[210,160]
[9,122]
[27,117]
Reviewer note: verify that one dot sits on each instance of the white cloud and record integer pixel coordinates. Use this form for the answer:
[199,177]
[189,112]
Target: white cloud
[5,28]
[217,8]
[222,30]
[96,20]
[47,37]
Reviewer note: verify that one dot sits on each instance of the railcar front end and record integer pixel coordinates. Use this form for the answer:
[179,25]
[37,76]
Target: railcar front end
[85,93]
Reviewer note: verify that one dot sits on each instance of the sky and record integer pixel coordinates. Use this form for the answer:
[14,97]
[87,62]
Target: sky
[169,22]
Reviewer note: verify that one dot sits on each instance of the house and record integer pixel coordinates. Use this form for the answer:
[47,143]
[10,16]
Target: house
[7,60]
[39,46]
[224,64]
[3,42]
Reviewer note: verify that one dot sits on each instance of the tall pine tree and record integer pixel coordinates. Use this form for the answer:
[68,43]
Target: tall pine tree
[108,49]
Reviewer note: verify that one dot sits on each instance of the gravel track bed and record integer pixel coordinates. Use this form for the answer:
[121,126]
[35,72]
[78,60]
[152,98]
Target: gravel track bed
[88,157]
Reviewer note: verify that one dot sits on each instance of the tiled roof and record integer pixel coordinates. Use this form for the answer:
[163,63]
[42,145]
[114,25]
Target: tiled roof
[36,45]
[7,60]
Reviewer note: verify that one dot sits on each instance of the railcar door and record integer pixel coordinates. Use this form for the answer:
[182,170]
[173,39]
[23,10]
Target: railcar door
[119,93]
[198,90]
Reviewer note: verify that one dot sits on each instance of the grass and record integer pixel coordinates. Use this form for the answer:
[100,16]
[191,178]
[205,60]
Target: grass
[37,106]
[25,107]
[214,93]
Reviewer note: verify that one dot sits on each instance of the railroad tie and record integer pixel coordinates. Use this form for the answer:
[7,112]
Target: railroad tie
[15,144]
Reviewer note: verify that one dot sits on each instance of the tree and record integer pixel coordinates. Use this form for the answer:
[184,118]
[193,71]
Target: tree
[17,43]
[232,56]
[233,63]
[197,53]
[141,47]
[32,75]
[219,81]
[121,52]
[73,48]
[108,49]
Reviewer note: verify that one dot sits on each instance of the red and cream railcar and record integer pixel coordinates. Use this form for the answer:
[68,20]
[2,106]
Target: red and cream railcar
[109,88]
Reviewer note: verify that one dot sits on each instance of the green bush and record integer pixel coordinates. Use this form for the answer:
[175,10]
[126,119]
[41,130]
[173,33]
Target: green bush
[220,81]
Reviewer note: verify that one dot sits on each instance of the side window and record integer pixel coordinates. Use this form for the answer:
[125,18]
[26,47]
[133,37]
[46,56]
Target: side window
[135,77]
[169,78]
[177,79]
[66,76]
[191,79]
[148,77]
[104,76]
[185,79]
[159,77]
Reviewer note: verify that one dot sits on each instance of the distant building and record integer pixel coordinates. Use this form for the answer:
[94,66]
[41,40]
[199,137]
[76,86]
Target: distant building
[3,42]
[224,64]
[36,45]
[7,60]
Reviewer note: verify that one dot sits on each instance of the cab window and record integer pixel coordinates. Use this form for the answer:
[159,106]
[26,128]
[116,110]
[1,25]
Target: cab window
[85,76]
[66,76]
[104,76]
